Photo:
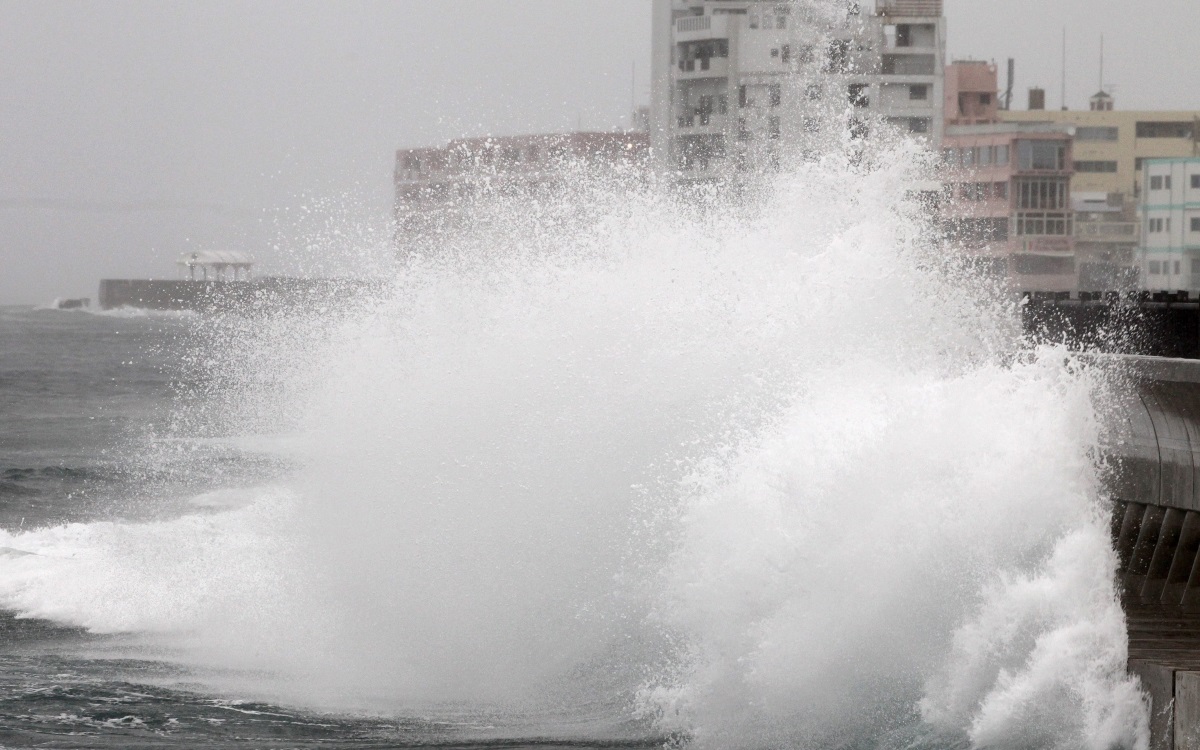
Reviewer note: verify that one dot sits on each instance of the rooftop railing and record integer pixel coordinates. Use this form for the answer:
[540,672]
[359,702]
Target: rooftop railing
[909,7]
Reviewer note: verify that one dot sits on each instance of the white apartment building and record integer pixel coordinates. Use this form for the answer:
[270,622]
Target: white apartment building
[1170,216]
[734,78]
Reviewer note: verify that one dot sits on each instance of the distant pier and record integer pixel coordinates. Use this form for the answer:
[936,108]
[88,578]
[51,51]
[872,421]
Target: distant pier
[254,295]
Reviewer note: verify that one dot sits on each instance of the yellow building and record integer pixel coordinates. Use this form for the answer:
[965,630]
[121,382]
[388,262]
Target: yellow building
[1109,149]
[1110,145]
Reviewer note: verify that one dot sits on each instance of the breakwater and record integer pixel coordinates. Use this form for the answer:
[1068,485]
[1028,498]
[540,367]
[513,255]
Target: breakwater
[1152,451]
[266,293]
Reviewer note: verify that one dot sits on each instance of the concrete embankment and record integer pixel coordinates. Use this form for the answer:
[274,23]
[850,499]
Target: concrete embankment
[256,295]
[1152,449]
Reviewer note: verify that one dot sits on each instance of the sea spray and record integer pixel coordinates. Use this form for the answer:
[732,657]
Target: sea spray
[761,475]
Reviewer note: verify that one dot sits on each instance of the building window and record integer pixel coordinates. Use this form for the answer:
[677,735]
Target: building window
[985,156]
[774,52]
[1046,195]
[1001,190]
[908,65]
[812,92]
[1002,155]
[743,130]
[1155,267]
[1031,265]
[1042,155]
[985,99]
[1097,134]
[839,57]
[859,129]
[977,232]
[1107,167]
[1043,224]
[1196,224]
[860,95]
[773,127]
[722,104]
[1196,182]
[918,125]
[743,97]
[781,22]
[1156,226]
[775,94]
[1167,182]
[1156,182]
[918,91]
[785,53]
[949,157]
[1164,130]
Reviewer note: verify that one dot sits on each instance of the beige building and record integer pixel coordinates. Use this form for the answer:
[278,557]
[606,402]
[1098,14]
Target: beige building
[1111,147]
[1111,144]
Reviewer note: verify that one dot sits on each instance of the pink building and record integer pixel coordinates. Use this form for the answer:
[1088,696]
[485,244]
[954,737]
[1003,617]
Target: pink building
[971,96]
[1009,184]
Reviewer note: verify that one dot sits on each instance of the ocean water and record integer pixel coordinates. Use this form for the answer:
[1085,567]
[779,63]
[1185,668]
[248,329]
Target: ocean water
[634,475]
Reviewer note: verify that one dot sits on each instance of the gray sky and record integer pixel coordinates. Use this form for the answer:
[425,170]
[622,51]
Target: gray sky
[136,131]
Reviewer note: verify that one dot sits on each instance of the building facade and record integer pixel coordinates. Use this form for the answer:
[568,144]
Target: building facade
[735,78]
[1009,186]
[1112,145]
[1111,149]
[1170,218]
[439,191]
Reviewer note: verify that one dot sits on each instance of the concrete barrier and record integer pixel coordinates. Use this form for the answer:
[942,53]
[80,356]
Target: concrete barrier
[1151,449]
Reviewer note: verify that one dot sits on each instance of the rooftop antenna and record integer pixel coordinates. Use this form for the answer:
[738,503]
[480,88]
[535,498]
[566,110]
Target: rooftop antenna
[1064,70]
[1101,62]
[1009,91]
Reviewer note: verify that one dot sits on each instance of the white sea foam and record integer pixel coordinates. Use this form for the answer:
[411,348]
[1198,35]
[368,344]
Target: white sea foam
[766,481]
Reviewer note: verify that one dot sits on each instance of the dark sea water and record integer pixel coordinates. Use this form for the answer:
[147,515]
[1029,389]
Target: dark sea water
[89,433]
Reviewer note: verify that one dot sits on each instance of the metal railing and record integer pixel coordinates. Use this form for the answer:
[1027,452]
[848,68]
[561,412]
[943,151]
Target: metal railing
[909,7]
[694,23]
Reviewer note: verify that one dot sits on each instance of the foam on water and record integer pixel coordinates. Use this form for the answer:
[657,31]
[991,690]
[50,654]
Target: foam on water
[776,478]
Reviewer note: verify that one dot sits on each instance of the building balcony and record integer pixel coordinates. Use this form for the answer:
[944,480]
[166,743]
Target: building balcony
[700,124]
[909,8]
[697,28]
[705,67]
[922,64]
[1107,231]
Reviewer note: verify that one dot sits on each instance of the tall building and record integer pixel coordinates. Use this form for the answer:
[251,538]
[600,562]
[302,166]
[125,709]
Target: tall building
[733,78]
[1170,216]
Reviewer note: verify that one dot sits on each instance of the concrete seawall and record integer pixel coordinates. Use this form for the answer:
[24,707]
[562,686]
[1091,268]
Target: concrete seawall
[1152,451]
[257,295]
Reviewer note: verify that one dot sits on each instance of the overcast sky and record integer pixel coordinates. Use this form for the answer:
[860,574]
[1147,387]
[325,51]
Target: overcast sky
[135,131]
